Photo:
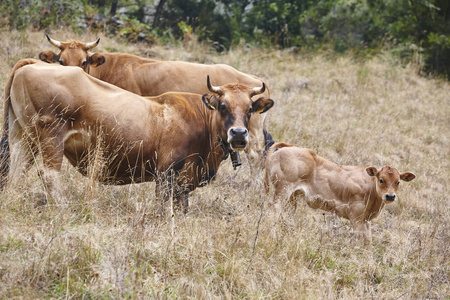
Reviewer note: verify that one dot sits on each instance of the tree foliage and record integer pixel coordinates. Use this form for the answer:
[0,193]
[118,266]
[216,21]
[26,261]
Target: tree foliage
[418,29]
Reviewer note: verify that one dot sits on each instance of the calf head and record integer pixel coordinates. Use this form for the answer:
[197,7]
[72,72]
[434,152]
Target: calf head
[388,180]
[73,53]
[234,108]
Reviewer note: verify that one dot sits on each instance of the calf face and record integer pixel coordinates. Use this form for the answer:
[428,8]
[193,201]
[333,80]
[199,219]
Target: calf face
[388,180]
[234,108]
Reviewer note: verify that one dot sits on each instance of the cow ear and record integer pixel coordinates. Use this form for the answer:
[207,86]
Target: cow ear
[48,56]
[407,176]
[96,59]
[210,101]
[372,171]
[262,105]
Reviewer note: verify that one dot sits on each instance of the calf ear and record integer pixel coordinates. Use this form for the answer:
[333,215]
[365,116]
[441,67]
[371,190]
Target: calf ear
[210,101]
[372,171]
[96,59]
[407,176]
[262,105]
[48,56]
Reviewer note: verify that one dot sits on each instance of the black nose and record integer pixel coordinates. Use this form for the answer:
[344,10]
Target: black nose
[238,132]
[390,197]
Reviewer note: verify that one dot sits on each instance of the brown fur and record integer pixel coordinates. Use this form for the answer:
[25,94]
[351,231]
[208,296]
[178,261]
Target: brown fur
[148,77]
[141,138]
[355,193]
[18,65]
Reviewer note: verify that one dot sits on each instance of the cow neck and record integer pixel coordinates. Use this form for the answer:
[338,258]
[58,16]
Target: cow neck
[374,203]
[224,145]
[235,157]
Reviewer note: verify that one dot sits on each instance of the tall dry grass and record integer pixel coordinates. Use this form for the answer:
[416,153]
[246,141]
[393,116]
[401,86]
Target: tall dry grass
[108,243]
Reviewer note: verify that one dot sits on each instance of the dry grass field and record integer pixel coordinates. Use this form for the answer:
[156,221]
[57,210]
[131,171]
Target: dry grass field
[108,243]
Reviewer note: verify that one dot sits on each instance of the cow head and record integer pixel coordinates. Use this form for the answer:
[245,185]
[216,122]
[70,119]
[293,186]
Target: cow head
[388,180]
[234,108]
[73,53]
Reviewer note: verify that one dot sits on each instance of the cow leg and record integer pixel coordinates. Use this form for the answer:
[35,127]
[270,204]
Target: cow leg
[162,194]
[21,159]
[23,151]
[166,189]
[50,175]
[181,202]
[51,147]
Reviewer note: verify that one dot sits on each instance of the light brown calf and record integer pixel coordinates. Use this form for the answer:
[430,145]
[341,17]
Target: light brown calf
[354,193]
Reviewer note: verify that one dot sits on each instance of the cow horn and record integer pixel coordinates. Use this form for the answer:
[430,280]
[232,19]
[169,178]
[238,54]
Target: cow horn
[258,90]
[91,45]
[55,43]
[214,89]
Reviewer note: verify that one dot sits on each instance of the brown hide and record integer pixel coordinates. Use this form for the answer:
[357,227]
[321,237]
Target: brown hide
[352,192]
[139,138]
[148,77]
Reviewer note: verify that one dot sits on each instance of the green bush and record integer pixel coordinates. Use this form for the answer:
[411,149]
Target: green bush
[418,30]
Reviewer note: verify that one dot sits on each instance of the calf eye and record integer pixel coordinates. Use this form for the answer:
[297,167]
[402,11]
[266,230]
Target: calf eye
[61,63]
[398,183]
[381,181]
[83,63]
[251,110]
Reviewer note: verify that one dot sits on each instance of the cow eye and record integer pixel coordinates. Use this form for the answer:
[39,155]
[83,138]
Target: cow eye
[61,63]
[83,63]
[398,183]
[381,181]
[251,110]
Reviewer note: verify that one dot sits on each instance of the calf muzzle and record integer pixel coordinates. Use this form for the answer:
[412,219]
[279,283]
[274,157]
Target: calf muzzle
[390,197]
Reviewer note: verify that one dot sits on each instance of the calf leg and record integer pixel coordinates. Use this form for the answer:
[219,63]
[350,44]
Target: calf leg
[280,196]
[362,230]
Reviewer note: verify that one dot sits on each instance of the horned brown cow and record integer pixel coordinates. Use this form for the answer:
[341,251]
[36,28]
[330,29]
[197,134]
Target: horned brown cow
[181,136]
[148,77]
[352,192]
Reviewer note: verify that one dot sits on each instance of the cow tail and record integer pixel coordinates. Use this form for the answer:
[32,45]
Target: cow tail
[270,150]
[4,141]
[4,151]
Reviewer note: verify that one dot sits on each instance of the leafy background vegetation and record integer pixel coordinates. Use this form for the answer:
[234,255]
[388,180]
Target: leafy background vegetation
[417,30]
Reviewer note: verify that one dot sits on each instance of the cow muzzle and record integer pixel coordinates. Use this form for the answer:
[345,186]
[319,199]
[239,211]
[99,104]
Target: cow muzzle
[237,138]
